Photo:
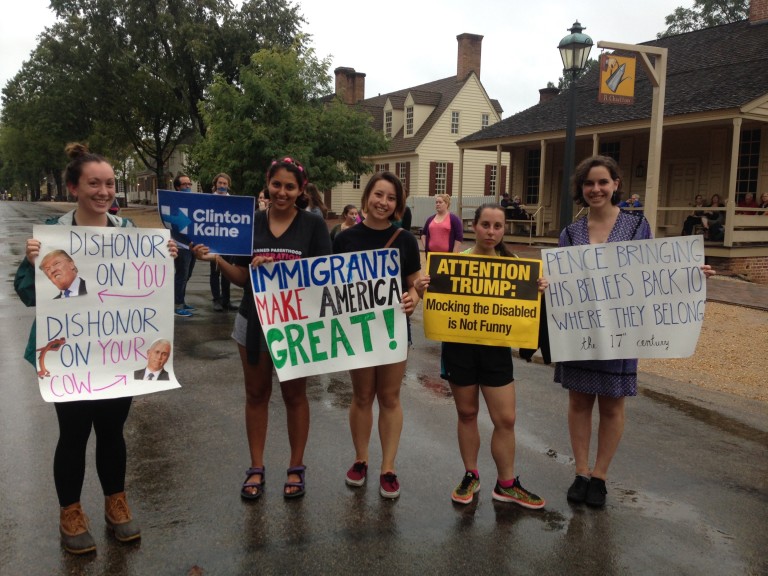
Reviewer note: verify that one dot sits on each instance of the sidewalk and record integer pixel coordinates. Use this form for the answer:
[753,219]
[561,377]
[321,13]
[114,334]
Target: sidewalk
[724,289]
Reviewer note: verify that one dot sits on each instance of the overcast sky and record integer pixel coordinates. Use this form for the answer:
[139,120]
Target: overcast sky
[403,43]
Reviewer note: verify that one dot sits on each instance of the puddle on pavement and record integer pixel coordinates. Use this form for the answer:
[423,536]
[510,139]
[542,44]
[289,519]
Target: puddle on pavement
[710,417]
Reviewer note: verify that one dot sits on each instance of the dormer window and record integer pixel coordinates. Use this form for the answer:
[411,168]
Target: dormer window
[409,121]
[388,123]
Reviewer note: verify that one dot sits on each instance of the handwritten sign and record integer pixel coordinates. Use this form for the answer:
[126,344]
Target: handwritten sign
[482,300]
[639,299]
[104,312]
[331,313]
[223,223]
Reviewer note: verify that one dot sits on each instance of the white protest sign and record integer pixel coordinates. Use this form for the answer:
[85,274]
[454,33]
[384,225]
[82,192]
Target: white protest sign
[331,313]
[104,312]
[637,299]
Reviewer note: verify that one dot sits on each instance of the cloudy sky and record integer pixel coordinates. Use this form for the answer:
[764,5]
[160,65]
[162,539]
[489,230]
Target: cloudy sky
[402,43]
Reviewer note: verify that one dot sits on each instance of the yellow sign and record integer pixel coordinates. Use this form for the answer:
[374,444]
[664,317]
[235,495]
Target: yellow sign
[482,300]
[617,79]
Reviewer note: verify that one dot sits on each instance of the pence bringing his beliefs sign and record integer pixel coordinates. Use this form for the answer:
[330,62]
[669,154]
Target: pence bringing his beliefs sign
[104,299]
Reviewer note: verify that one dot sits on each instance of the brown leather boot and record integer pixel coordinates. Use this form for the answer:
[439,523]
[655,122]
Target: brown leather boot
[73,526]
[119,519]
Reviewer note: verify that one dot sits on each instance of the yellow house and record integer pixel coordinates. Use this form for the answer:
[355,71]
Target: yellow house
[423,124]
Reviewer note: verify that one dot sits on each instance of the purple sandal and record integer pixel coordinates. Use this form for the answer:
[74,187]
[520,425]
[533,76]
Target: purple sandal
[298,470]
[259,486]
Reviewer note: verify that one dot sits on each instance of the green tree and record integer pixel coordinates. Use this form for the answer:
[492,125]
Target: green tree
[704,14]
[564,82]
[283,106]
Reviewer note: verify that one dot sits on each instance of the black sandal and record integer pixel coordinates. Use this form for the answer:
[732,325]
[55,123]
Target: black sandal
[258,486]
[299,471]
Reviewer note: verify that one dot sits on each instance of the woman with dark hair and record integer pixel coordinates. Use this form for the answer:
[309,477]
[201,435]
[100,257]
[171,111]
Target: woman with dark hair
[91,180]
[474,368]
[384,202]
[597,184]
[349,215]
[714,220]
[282,232]
[695,218]
[315,202]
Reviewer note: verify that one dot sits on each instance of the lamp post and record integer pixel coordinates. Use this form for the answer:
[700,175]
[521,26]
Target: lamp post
[574,50]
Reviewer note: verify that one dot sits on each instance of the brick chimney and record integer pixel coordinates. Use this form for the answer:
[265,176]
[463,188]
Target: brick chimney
[758,11]
[350,85]
[470,47]
[547,94]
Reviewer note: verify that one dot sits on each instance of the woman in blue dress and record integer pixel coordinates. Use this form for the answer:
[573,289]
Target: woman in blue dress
[597,185]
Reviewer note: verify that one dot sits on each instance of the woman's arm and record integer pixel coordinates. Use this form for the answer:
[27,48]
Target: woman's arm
[411,296]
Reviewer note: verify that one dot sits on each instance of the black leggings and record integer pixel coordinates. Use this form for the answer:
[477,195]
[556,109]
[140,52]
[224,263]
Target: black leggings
[107,417]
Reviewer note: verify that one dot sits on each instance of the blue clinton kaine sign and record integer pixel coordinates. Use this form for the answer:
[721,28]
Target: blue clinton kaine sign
[223,223]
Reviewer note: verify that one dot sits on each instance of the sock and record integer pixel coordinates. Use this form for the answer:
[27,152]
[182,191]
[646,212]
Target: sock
[583,476]
[476,473]
[506,483]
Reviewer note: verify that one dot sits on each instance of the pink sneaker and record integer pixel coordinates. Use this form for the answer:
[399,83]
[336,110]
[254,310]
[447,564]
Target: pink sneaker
[356,474]
[389,486]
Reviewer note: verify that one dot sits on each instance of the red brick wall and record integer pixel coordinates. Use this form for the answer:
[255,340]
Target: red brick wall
[470,54]
[753,268]
[758,10]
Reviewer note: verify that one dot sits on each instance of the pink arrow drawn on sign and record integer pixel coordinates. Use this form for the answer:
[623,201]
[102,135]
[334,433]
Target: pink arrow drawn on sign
[121,379]
[106,292]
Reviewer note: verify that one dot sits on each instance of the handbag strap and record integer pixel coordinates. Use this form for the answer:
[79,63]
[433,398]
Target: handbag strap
[392,239]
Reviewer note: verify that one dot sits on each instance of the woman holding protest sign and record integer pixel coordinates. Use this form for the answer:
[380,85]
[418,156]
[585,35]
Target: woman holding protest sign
[383,201]
[474,368]
[596,184]
[282,232]
[91,180]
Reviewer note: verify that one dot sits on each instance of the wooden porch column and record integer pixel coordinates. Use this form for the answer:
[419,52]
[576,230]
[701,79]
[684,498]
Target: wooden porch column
[542,172]
[498,172]
[461,183]
[730,209]
[595,144]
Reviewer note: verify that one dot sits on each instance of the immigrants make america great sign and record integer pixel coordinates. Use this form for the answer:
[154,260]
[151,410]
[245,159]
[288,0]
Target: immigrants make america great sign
[104,299]
[636,299]
[331,313]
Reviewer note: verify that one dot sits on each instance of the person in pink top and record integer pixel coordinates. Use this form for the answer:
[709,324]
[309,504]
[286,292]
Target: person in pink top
[443,231]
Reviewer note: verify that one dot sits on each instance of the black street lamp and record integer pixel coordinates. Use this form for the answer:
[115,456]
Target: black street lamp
[574,50]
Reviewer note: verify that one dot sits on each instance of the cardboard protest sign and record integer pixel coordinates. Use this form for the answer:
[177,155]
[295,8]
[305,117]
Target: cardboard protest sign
[482,300]
[638,299]
[223,223]
[104,312]
[331,313]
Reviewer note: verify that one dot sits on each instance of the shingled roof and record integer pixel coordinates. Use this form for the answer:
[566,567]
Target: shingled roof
[439,93]
[718,68]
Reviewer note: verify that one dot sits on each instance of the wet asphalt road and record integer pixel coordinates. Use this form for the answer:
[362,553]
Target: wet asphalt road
[688,492]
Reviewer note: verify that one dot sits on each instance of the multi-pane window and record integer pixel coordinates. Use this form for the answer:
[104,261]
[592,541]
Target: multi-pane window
[532,167]
[610,149]
[454,122]
[441,177]
[403,173]
[409,120]
[388,123]
[749,160]
[356,182]
[492,180]
[485,121]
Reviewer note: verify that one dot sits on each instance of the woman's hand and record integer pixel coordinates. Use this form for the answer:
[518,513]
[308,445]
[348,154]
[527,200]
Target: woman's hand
[708,271]
[407,303]
[542,283]
[173,249]
[257,261]
[32,250]
[421,284]
[202,252]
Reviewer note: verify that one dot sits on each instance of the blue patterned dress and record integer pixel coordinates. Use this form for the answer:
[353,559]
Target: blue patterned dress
[614,378]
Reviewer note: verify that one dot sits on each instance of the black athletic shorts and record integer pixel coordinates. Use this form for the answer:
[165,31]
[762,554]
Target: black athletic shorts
[469,364]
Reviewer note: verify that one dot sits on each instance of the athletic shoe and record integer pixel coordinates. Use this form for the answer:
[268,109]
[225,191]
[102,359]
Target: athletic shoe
[188,307]
[578,491]
[519,495]
[464,493]
[217,307]
[356,475]
[182,312]
[389,487]
[596,493]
